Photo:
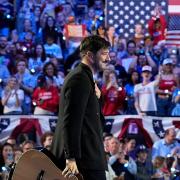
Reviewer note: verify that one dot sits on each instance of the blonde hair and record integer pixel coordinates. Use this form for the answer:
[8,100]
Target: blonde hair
[158,161]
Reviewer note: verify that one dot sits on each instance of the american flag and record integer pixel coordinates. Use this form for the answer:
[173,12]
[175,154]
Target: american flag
[124,14]
[173,33]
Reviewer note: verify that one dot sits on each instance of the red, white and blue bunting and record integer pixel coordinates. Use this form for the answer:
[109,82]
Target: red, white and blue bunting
[152,128]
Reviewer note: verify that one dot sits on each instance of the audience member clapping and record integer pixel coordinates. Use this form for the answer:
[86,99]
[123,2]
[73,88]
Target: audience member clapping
[166,146]
[12,97]
[26,83]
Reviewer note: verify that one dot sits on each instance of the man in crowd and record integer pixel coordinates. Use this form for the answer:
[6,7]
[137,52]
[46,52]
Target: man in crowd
[26,83]
[166,146]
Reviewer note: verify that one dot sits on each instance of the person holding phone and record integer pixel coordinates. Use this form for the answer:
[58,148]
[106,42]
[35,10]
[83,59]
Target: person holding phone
[113,96]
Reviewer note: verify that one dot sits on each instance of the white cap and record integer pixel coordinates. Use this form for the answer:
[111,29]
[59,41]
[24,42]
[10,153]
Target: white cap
[147,68]
[167,61]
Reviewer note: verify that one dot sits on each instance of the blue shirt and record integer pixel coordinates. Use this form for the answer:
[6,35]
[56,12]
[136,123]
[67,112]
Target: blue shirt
[161,148]
[28,80]
[4,75]
[129,90]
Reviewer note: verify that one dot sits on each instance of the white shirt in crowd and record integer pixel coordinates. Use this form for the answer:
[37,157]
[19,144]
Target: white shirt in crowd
[53,49]
[146,96]
[11,103]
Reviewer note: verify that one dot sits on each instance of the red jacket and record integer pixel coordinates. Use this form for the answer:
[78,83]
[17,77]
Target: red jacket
[113,100]
[159,34]
[50,97]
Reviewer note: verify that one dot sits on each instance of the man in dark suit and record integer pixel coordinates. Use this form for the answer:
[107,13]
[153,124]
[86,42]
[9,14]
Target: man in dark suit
[78,133]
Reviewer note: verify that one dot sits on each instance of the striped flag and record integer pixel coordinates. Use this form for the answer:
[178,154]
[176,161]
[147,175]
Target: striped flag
[173,33]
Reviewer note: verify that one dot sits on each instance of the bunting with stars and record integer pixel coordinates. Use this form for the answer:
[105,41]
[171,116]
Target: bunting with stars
[149,128]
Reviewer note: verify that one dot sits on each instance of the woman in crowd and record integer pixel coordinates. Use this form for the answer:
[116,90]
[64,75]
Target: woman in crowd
[161,171]
[50,72]
[45,97]
[12,97]
[35,63]
[176,101]
[167,85]
[130,144]
[112,37]
[6,157]
[113,96]
[157,25]
[142,60]
[134,79]
[49,29]
[101,31]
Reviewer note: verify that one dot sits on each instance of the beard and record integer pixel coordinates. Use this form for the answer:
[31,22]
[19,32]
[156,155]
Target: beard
[96,64]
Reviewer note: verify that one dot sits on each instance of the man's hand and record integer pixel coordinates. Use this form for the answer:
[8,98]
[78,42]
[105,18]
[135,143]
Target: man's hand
[71,169]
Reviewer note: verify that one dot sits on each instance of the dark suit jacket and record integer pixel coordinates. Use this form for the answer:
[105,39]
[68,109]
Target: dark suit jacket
[79,129]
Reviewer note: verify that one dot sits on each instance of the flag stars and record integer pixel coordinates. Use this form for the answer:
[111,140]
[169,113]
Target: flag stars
[152,12]
[142,12]
[163,3]
[116,16]
[136,17]
[126,17]
[153,3]
[53,124]
[131,12]
[142,21]
[121,30]
[131,3]
[131,21]
[156,124]
[111,21]
[121,3]
[131,30]
[126,8]
[126,26]
[111,3]
[161,134]
[137,8]
[126,34]
[121,12]
[121,21]
[147,17]
[116,25]
[116,8]
[142,3]
[111,12]
[147,8]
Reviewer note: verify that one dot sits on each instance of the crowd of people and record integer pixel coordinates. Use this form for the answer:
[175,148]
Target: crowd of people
[127,158]
[142,78]
[36,54]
